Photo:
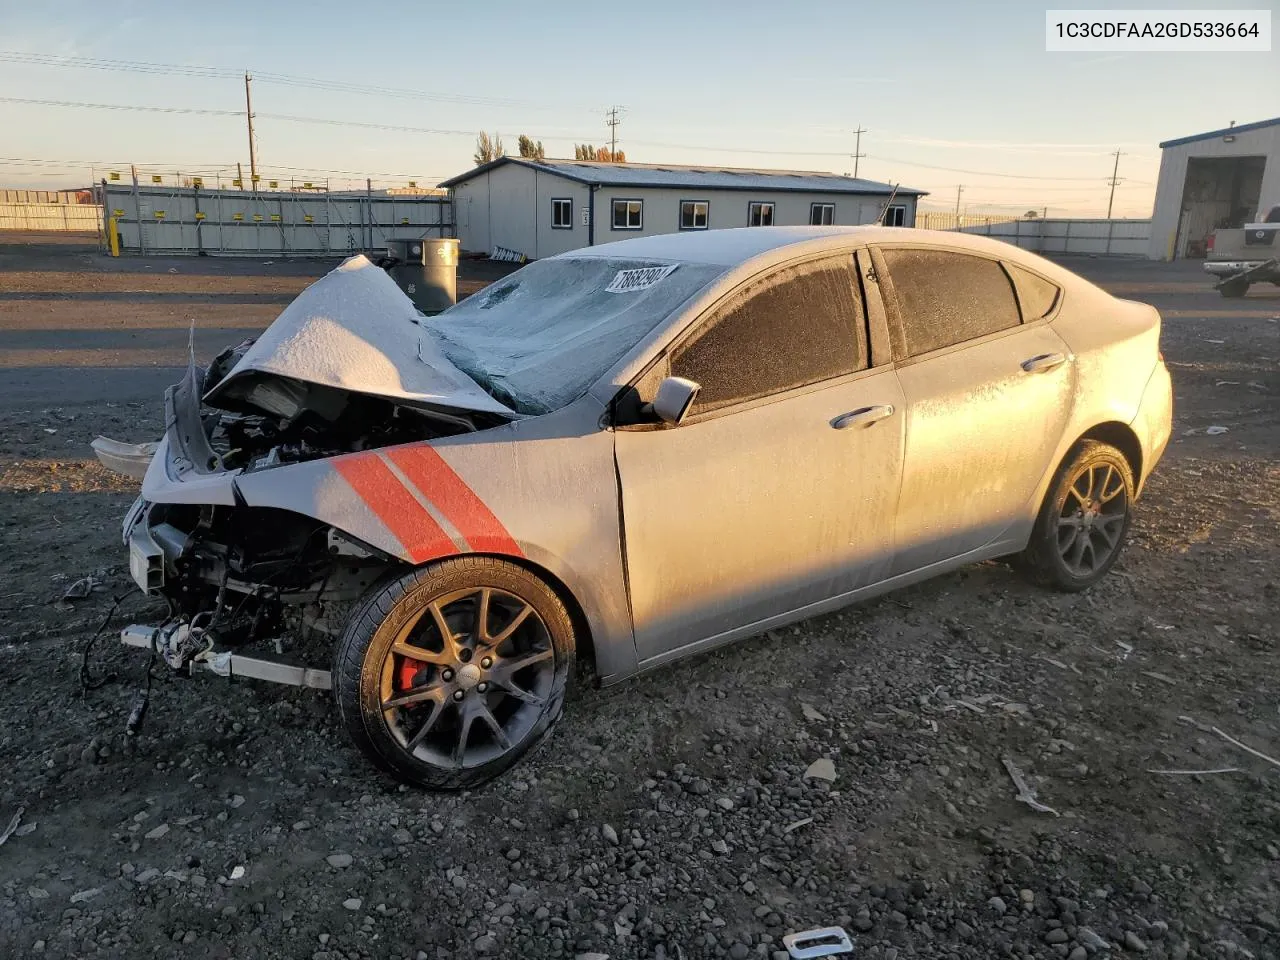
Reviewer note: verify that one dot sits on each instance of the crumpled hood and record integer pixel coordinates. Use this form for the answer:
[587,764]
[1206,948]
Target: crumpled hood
[353,329]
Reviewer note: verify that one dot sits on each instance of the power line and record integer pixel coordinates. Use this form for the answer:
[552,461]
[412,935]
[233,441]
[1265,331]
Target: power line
[122,106]
[316,83]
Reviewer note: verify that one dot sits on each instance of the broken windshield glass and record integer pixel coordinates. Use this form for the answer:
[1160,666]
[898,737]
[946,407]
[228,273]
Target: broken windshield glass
[538,339]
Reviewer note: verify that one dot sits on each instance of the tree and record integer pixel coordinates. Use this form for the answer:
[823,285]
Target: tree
[585,151]
[488,148]
[530,149]
[1031,215]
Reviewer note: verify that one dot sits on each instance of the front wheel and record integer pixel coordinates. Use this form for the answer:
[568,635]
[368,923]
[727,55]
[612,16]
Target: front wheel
[1084,520]
[1234,289]
[449,675]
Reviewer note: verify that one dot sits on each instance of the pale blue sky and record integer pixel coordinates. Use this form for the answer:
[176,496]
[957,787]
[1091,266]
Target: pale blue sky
[965,86]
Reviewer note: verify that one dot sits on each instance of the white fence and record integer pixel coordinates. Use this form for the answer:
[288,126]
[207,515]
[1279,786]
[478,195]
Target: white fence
[215,222]
[1108,238]
[50,216]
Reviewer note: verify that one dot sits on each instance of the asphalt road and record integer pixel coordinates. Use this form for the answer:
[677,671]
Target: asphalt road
[78,327]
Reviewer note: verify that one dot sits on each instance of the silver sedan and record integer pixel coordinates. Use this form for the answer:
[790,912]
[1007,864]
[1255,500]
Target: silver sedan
[628,454]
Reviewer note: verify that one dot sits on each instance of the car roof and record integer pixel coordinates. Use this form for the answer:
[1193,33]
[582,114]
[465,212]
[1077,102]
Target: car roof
[739,245]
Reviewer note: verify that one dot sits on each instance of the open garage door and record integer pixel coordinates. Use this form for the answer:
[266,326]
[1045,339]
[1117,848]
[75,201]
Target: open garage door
[1219,193]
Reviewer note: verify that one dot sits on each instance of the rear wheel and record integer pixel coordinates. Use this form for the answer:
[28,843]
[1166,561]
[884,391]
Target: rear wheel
[1084,520]
[449,675]
[1234,289]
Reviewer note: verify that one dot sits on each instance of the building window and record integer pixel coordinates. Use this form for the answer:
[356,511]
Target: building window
[561,214]
[628,214]
[760,214]
[895,216]
[694,214]
[822,214]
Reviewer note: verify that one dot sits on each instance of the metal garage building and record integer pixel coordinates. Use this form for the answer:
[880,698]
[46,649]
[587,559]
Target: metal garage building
[544,207]
[1213,180]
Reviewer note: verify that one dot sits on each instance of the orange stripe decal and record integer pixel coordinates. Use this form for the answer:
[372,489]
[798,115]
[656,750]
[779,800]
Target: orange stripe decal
[419,534]
[436,480]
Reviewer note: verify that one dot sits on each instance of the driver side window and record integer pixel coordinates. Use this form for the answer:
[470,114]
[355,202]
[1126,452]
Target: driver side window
[800,325]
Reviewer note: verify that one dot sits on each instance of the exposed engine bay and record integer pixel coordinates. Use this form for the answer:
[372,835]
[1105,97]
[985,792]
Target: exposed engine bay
[341,371]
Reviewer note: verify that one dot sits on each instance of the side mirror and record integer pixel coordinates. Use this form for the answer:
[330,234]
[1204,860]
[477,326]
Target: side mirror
[674,398]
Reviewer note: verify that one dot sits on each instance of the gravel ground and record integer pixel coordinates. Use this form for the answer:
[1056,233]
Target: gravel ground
[691,813]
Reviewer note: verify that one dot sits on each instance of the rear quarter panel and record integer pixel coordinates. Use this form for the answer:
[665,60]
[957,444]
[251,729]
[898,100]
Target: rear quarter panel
[1116,346]
[541,491]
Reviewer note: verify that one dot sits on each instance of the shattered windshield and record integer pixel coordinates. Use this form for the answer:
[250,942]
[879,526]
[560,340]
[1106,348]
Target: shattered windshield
[538,339]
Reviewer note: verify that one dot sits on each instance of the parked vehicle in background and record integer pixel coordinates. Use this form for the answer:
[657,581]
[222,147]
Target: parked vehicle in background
[1242,257]
[629,454]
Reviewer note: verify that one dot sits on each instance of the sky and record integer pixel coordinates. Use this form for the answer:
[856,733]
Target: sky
[949,94]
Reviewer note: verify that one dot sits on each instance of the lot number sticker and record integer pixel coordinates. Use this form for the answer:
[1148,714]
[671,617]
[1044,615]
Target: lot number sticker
[629,281]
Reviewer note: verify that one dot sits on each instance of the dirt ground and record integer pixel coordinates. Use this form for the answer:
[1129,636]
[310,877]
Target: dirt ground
[669,817]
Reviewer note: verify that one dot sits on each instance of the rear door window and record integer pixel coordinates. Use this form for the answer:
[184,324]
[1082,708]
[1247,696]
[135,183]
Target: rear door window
[798,326]
[943,298]
[1036,296]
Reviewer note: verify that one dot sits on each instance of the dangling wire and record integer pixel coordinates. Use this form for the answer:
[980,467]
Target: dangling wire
[87,681]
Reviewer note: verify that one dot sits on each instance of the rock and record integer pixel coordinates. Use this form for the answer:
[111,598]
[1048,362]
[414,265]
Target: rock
[83,895]
[739,951]
[862,923]
[822,769]
[401,837]
[998,905]
[485,944]
[1056,936]
[339,861]
[1091,940]
[513,854]
[1079,953]
[811,713]
[155,833]
[724,803]
[146,876]
[610,834]
[37,893]
[1133,942]
[236,802]
[352,903]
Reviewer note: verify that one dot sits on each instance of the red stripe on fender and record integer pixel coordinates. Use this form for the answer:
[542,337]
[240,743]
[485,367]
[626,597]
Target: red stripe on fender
[427,471]
[422,538]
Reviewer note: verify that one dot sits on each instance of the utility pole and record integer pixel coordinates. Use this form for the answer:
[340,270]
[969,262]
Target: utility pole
[248,112]
[959,190]
[612,124]
[857,150]
[1113,181]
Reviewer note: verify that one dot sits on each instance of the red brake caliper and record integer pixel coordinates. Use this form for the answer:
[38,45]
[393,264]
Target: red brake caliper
[408,672]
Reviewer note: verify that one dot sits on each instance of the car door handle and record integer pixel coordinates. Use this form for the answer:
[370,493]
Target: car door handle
[1043,363]
[863,416]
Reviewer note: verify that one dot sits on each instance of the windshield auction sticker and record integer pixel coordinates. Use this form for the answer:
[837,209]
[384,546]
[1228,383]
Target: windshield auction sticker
[629,281]
[1138,31]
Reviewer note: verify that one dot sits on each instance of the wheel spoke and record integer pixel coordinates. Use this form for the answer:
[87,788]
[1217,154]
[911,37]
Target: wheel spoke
[511,627]
[425,656]
[508,668]
[451,644]
[486,715]
[480,628]
[1106,497]
[1101,495]
[528,696]
[1109,528]
[437,708]
[1076,554]
[414,695]
[466,717]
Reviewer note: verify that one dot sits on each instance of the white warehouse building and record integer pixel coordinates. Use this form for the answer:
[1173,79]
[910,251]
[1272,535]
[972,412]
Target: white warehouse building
[539,208]
[1208,181]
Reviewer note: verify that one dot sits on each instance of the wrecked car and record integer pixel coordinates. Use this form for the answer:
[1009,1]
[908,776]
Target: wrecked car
[628,454]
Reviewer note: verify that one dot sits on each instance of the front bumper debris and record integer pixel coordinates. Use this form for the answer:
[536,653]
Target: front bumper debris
[168,642]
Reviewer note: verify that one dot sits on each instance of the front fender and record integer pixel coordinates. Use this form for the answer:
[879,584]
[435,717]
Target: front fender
[541,491]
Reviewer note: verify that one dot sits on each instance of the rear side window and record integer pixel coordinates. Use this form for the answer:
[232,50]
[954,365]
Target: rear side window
[798,326]
[1036,296]
[944,298]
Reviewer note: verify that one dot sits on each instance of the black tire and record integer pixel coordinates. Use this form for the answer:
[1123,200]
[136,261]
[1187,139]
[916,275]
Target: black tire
[516,706]
[1234,289]
[1091,496]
